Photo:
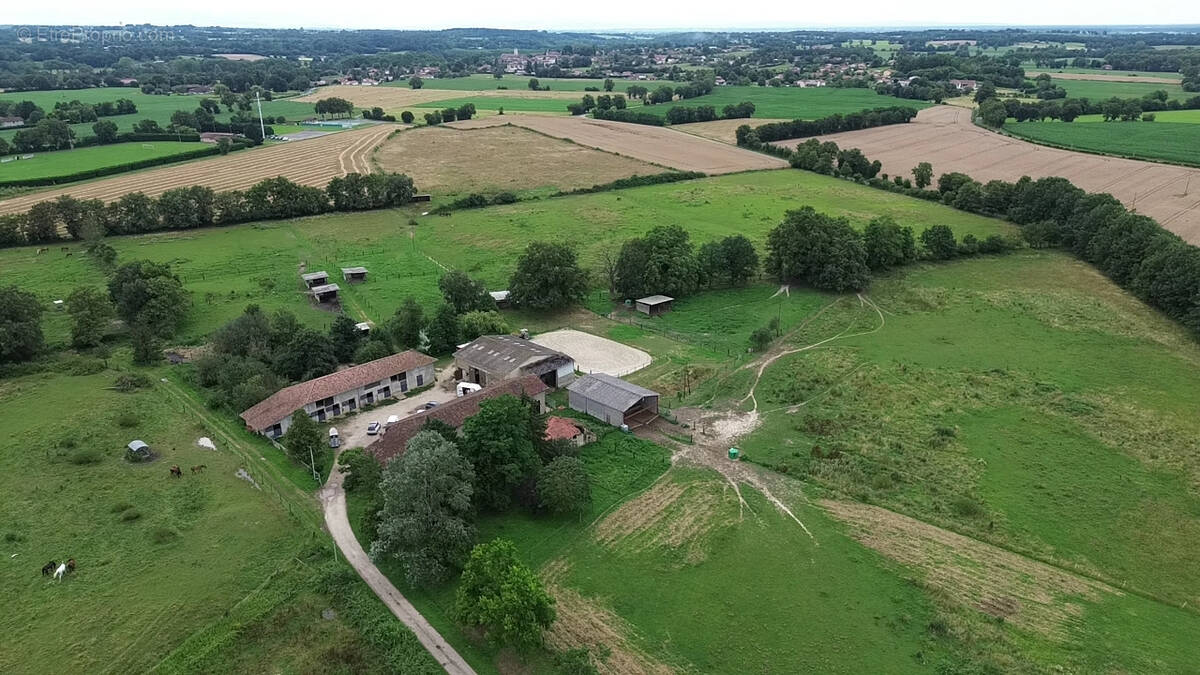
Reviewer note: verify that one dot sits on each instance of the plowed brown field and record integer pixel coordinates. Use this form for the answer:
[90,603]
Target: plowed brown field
[310,162]
[945,137]
[656,145]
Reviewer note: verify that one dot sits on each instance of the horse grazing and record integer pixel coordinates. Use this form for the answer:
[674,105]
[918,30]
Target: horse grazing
[60,571]
[42,250]
[176,471]
[71,565]
[48,568]
[199,467]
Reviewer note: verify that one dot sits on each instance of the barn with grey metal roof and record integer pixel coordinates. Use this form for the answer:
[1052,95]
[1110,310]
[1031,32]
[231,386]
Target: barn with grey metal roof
[613,400]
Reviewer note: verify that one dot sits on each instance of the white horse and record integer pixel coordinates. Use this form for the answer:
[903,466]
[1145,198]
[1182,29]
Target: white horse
[62,569]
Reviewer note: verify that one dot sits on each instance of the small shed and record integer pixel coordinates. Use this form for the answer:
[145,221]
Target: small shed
[325,293]
[354,274]
[613,400]
[138,451]
[363,327]
[501,298]
[313,279]
[653,305]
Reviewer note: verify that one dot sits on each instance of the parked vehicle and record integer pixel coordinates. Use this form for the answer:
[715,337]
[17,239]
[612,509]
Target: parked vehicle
[373,428]
[392,419]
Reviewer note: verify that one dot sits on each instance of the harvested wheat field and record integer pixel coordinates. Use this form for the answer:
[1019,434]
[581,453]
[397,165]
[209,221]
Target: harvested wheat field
[392,98]
[310,162]
[456,161]
[721,130]
[1098,77]
[1024,592]
[945,137]
[656,145]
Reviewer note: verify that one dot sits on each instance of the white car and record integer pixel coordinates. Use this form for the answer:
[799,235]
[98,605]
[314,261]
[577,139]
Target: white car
[373,428]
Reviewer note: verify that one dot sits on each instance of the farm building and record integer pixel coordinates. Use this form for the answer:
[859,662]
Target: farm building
[454,413]
[354,274]
[11,122]
[613,400]
[490,359]
[500,297]
[324,293]
[315,279]
[563,429]
[341,392]
[653,305]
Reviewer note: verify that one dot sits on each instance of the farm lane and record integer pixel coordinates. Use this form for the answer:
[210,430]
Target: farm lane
[946,137]
[333,501]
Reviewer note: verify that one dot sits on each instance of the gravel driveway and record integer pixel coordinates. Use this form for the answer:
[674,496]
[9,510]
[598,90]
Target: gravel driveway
[353,429]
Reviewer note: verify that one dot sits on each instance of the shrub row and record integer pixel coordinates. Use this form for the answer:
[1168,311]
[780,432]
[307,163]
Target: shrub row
[778,131]
[631,116]
[707,113]
[637,181]
[476,200]
[199,206]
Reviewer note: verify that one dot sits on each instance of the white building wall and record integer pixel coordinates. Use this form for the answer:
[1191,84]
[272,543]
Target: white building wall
[378,391]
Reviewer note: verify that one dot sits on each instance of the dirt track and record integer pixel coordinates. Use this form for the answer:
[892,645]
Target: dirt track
[310,162]
[656,145]
[945,137]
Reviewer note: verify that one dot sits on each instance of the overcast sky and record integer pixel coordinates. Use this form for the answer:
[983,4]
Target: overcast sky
[611,14]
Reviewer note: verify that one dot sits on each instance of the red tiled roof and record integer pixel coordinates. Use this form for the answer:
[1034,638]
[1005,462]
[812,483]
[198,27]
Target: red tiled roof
[454,413]
[559,428]
[288,400]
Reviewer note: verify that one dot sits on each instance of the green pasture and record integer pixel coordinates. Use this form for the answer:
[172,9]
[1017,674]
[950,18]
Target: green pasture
[63,162]
[1097,90]
[1103,73]
[202,573]
[227,268]
[1172,138]
[484,82]
[150,106]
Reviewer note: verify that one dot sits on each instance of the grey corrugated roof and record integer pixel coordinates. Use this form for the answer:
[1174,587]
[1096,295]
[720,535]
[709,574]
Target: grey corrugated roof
[354,270]
[327,288]
[502,354]
[655,299]
[314,275]
[609,391]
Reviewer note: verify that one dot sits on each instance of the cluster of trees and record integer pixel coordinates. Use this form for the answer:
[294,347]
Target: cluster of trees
[826,252]
[601,102]
[665,261]
[467,311]
[866,119]
[827,158]
[631,116]
[706,113]
[933,73]
[338,107]
[377,113]
[547,276]
[200,206]
[26,110]
[463,112]
[21,336]
[46,134]
[76,112]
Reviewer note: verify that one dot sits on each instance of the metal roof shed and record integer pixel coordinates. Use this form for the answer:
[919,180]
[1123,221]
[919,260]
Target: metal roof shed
[313,279]
[654,305]
[613,400]
[354,274]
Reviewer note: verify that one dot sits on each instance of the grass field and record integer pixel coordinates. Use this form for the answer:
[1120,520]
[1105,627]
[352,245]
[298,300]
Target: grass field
[64,162]
[172,573]
[228,268]
[1095,90]
[493,103]
[150,106]
[1173,139]
[1103,73]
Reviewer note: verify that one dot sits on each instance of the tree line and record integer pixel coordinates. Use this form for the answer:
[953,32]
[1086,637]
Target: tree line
[199,206]
[865,119]
[706,113]
[665,261]
[995,112]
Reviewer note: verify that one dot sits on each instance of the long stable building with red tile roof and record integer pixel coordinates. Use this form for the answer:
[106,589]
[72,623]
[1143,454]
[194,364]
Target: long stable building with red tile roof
[342,392]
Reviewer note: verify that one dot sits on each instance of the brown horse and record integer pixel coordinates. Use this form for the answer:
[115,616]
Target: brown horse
[176,471]
[199,467]
[71,565]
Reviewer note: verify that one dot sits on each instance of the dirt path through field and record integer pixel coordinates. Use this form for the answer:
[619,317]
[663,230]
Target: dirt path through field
[310,162]
[946,137]
[657,145]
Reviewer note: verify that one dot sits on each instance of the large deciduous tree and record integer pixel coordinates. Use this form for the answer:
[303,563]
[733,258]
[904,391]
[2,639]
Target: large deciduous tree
[498,442]
[90,310]
[465,294]
[817,249]
[504,597]
[20,325]
[548,276]
[426,520]
[149,296]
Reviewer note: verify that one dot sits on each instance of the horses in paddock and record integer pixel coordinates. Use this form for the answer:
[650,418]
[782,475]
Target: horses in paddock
[48,568]
[199,467]
[60,571]
[71,565]
[68,254]
[176,471]
[42,250]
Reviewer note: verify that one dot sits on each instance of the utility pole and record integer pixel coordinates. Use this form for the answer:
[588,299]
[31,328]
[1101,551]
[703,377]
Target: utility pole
[262,128]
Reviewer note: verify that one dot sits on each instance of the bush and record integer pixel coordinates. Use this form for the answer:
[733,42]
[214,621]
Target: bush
[163,535]
[130,515]
[966,507]
[86,457]
[128,419]
[637,181]
[127,382]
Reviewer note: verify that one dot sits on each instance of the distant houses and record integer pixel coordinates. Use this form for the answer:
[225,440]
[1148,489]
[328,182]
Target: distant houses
[341,392]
